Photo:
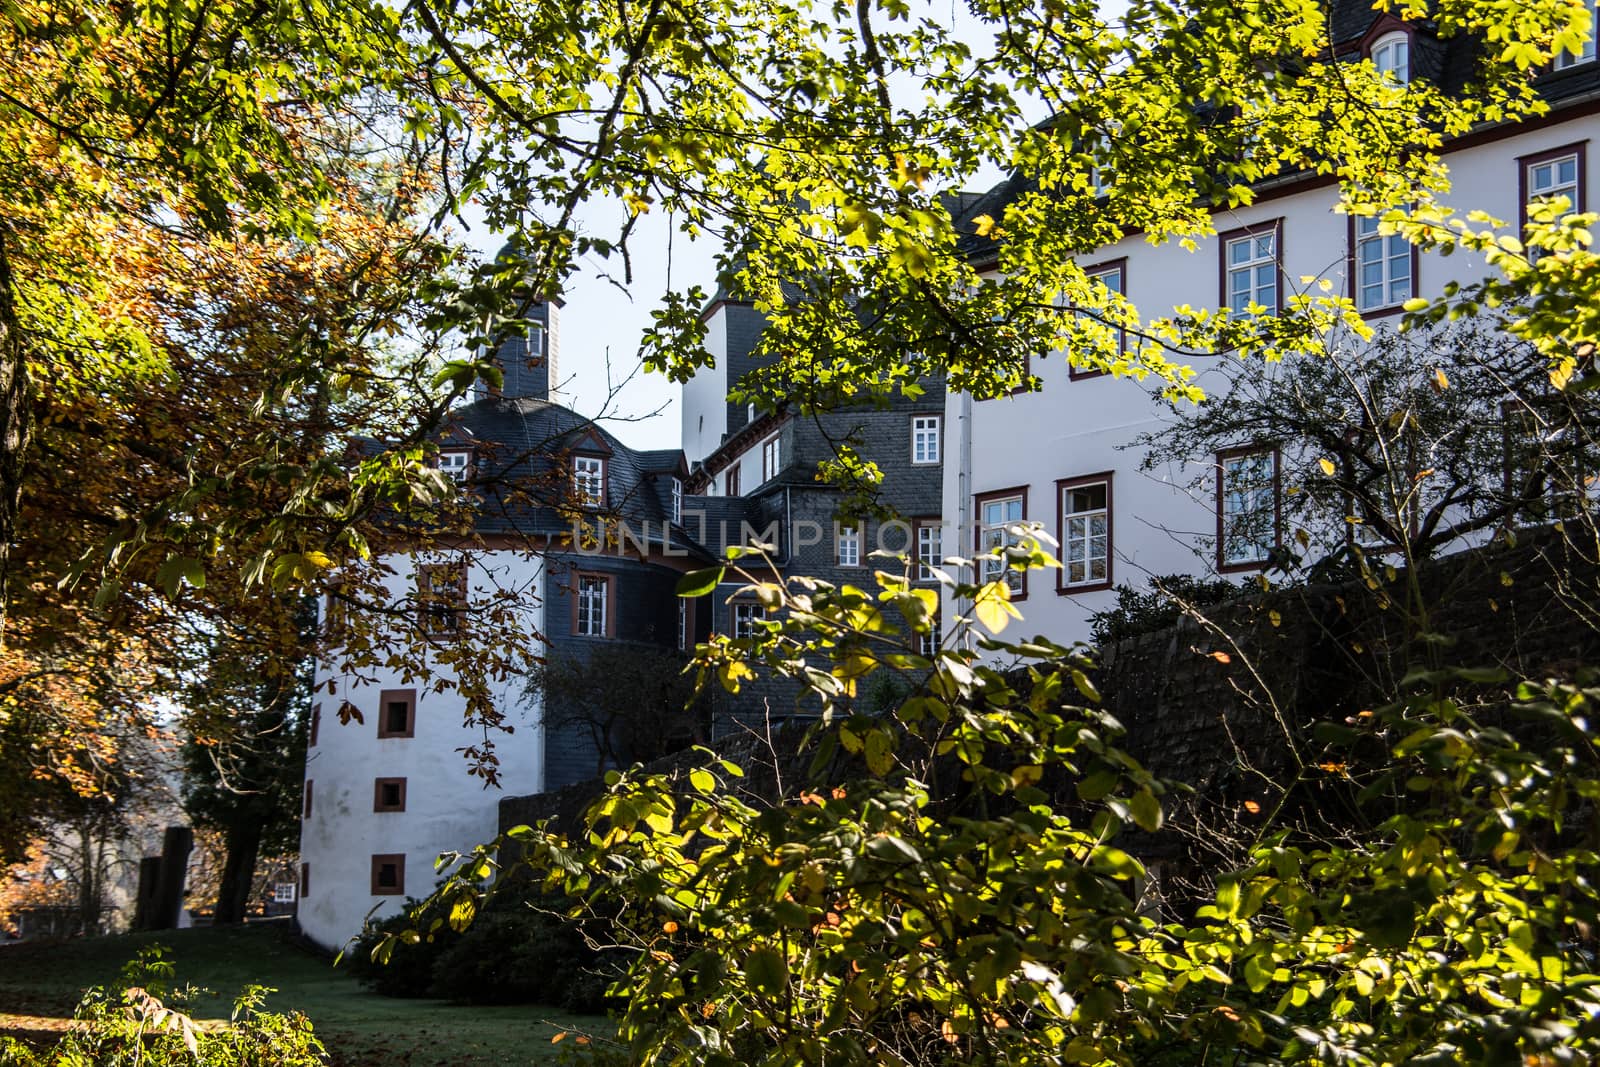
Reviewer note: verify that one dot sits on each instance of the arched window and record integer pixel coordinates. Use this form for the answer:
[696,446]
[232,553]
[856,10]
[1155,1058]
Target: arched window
[1391,54]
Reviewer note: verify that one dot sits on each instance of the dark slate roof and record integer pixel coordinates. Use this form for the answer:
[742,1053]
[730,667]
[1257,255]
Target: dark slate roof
[720,521]
[522,473]
[661,460]
[1449,63]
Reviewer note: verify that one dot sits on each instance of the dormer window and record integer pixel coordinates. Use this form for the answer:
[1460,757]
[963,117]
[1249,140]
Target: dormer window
[589,480]
[1391,54]
[1585,54]
[456,463]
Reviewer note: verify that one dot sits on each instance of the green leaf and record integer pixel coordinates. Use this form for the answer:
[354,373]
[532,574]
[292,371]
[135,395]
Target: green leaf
[1146,810]
[767,971]
[880,752]
[701,582]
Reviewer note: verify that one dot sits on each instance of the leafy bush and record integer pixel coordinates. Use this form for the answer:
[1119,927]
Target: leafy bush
[1143,611]
[1446,917]
[407,968]
[518,952]
[521,950]
[133,1024]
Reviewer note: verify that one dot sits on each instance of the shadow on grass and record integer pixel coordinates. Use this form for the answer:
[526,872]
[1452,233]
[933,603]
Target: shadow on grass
[41,983]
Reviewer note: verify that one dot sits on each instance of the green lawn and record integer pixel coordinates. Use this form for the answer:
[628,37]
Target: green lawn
[40,983]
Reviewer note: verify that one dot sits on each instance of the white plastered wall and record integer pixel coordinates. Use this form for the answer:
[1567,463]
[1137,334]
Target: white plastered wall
[445,808]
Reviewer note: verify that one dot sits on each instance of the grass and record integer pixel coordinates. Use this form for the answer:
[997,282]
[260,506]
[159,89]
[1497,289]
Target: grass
[40,984]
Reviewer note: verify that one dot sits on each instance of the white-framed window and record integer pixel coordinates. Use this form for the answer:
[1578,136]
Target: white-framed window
[925,438]
[677,501]
[284,893]
[849,543]
[1251,271]
[589,480]
[456,463]
[771,457]
[536,341]
[1247,507]
[928,643]
[1085,532]
[745,617]
[1391,54]
[593,608]
[1114,277]
[1587,53]
[995,514]
[683,623]
[930,550]
[1383,267]
[442,597]
[1555,176]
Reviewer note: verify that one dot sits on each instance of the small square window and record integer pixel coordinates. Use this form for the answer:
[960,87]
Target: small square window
[397,713]
[389,875]
[389,794]
[456,463]
[284,893]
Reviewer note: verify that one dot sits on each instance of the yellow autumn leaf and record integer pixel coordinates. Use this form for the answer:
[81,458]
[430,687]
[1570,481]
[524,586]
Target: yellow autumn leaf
[993,606]
[1326,465]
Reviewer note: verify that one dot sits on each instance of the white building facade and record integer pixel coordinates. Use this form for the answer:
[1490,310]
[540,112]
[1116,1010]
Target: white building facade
[1059,457]
[386,789]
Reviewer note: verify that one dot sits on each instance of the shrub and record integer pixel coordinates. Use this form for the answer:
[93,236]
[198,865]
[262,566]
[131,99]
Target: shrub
[133,1024]
[408,969]
[521,950]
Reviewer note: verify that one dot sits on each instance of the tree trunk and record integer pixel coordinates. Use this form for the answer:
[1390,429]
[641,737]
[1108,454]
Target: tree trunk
[243,843]
[88,880]
[16,426]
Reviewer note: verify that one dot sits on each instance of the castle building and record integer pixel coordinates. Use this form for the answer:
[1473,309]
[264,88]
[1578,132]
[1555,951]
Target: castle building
[1060,456]
[386,787]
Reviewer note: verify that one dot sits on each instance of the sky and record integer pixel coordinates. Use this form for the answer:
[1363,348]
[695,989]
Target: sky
[603,319]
